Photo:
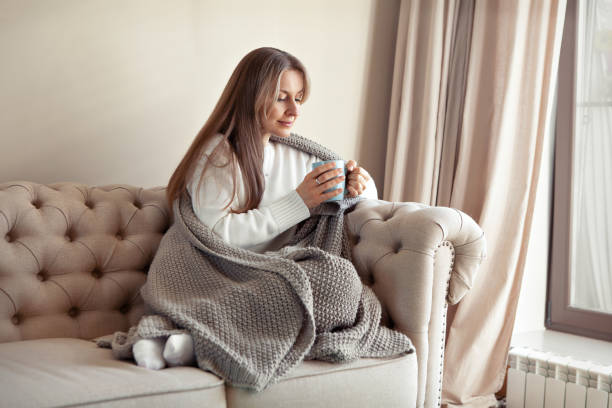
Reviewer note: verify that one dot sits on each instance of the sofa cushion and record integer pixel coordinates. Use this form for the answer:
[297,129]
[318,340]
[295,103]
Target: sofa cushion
[69,372]
[363,383]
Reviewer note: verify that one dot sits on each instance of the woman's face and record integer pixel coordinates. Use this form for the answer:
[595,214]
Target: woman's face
[285,110]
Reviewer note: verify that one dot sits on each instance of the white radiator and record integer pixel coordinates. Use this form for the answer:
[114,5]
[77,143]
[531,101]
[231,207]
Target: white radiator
[539,379]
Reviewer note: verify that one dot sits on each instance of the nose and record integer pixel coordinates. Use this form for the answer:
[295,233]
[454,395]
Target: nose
[293,109]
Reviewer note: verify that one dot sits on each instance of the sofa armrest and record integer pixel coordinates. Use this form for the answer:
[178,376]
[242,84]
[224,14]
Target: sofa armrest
[417,259]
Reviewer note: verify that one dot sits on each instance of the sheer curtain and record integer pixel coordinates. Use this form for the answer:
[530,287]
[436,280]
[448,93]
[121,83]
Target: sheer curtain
[472,99]
[592,172]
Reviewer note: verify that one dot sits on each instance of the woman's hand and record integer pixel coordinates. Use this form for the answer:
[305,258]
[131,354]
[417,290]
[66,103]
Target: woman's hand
[357,178]
[324,177]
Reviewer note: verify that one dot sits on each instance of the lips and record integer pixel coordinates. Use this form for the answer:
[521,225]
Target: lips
[286,124]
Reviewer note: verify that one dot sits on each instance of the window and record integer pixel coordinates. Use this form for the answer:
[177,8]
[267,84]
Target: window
[580,275]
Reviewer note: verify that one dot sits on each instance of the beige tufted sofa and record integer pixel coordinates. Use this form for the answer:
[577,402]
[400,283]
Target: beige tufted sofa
[72,260]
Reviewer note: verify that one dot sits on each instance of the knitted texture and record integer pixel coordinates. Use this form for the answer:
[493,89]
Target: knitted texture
[254,317]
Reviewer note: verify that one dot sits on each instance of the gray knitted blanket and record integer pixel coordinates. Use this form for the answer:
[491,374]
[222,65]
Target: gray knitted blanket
[254,317]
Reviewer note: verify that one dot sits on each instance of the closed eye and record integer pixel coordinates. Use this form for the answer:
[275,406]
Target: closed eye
[298,100]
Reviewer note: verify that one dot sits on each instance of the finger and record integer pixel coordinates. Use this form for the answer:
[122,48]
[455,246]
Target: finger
[363,172]
[352,191]
[356,186]
[317,171]
[351,164]
[330,174]
[357,179]
[332,193]
[356,176]
[331,183]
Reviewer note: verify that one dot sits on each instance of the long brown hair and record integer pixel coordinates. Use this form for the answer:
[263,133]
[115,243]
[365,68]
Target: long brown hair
[249,93]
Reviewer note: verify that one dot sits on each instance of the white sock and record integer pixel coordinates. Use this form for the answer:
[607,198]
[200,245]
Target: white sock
[148,353]
[179,350]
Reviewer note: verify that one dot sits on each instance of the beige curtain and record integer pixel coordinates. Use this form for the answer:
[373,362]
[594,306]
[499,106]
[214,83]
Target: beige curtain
[473,92]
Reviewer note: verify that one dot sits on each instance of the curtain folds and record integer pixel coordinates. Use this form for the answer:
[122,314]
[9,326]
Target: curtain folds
[472,98]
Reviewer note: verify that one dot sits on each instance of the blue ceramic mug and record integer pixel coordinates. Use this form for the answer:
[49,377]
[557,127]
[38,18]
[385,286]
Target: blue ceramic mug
[339,165]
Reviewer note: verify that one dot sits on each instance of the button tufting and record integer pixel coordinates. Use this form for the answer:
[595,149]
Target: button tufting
[137,204]
[73,312]
[41,276]
[371,280]
[8,238]
[96,273]
[119,236]
[37,204]
[356,239]
[70,235]
[398,247]
[89,204]
[125,308]
[16,319]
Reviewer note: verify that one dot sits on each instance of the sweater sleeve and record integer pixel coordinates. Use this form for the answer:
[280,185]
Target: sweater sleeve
[370,190]
[247,229]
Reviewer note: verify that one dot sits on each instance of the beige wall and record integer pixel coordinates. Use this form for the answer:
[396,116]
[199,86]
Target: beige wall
[101,91]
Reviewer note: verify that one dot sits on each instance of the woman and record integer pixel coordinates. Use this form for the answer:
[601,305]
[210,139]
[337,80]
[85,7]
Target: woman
[245,186]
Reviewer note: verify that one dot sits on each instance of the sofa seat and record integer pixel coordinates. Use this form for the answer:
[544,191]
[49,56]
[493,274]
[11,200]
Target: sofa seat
[72,372]
[365,382]
[63,372]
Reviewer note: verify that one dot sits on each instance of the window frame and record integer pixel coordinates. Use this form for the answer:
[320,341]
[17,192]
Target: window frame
[560,315]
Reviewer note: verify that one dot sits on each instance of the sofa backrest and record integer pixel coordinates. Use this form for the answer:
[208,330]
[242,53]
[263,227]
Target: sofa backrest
[73,257]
